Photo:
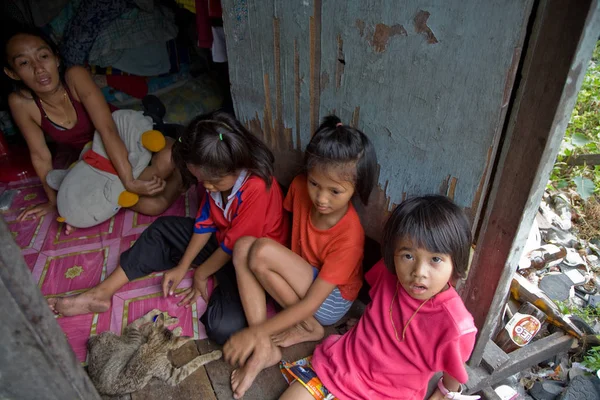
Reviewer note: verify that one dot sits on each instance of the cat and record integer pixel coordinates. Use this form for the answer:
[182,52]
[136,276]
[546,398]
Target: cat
[123,364]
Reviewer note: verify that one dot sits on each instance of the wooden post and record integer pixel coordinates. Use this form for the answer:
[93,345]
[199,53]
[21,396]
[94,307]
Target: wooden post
[37,362]
[563,35]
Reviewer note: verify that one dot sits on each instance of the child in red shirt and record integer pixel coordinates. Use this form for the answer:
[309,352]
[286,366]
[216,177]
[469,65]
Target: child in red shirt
[242,199]
[414,326]
[319,278]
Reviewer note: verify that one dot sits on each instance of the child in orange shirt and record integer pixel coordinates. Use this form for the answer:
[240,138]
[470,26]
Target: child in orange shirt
[319,278]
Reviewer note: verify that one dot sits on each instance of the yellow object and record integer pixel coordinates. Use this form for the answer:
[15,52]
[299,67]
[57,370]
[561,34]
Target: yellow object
[189,5]
[60,219]
[153,140]
[128,199]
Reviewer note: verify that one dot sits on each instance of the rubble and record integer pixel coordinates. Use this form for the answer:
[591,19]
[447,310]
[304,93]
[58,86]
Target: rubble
[561,262]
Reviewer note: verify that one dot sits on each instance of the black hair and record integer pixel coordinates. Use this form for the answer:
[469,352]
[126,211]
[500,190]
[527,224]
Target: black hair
[432,222]
[220,145]
[13,28]
[335,144]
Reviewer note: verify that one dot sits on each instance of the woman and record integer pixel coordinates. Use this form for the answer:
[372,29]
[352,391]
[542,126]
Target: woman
[69,110]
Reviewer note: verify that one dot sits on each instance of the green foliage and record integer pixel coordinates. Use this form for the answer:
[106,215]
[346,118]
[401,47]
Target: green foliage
[582,137]
[591,359]
[589,314]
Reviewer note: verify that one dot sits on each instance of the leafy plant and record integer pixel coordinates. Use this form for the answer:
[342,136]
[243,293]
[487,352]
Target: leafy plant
[581,137]
[591,359]
[588,314]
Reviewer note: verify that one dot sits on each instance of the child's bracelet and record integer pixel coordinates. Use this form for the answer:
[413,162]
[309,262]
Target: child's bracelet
[454,395]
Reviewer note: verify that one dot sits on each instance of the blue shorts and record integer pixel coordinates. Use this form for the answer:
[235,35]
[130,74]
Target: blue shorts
[333,308]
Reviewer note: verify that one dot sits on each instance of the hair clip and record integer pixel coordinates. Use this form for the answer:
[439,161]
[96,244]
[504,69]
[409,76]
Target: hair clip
[339,124]
[221,137]
[179,139]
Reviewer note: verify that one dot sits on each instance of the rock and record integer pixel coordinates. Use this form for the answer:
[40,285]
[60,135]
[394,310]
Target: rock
[576,277]
[594,300]
[556,286]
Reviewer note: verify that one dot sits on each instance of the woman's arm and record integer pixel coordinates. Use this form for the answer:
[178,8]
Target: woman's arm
[38,150]
[92,99]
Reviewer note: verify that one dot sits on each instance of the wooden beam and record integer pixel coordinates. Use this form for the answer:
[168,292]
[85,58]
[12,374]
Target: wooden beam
[521,359]
[37,362]
[563,35]
[489,394]
[584,159]
[494,357]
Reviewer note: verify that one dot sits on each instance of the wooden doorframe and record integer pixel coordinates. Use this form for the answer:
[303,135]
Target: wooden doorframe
[558,49]
[37,361]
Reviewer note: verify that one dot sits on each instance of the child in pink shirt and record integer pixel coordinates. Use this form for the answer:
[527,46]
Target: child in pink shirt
[415,325]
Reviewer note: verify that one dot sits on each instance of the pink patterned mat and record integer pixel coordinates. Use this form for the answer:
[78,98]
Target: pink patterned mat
[64,265]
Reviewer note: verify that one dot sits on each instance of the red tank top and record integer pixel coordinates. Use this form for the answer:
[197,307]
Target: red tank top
[77,136]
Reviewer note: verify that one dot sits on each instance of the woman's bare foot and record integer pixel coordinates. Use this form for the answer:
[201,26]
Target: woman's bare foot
[264,356]
[69,229]
[306,331]
[84,303]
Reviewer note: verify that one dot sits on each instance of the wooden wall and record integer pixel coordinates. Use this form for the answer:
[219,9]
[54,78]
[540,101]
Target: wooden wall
[428,81]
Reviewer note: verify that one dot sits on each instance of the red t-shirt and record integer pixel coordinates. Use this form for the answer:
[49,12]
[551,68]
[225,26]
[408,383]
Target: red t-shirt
[336,252]
[251,210]
[368,362]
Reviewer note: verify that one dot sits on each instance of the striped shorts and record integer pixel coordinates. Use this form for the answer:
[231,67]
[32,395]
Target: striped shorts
[333,308]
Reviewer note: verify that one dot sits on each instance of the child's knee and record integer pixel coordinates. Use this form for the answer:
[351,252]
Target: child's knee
[241,249]
[258,256]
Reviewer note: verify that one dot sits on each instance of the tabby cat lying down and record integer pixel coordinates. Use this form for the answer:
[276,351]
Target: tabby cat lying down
[123,364]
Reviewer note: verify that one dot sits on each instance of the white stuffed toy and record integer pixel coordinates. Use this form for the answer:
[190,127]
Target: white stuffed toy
[90,192]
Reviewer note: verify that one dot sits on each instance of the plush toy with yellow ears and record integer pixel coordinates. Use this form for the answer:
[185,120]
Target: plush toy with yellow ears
[90,191]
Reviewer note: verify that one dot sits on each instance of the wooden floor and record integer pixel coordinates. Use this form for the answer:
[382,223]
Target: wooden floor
[211,382]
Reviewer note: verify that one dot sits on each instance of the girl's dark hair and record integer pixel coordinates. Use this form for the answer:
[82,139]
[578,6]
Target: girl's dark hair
[220,145]
[13,28]
[335,145]
[432,222]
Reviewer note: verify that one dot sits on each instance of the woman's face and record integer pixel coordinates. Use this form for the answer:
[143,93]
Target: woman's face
[32,61]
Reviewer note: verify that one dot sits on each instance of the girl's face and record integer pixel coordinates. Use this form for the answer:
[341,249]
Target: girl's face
[421,273]
[328,190]
[32,61]
[214,184]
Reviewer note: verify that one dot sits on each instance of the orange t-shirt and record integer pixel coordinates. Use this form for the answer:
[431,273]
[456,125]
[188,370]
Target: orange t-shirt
[336,252]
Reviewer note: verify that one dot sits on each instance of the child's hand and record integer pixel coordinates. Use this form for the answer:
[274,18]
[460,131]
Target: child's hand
[240,346]
[199,288]
[171,279]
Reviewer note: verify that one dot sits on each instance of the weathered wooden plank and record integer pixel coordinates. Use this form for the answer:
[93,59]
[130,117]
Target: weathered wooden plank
[559,48]
[584,159]
[488,393]
[37,362]
[195,386]
[493,357]
[431,90]
[427,89]
[520,359]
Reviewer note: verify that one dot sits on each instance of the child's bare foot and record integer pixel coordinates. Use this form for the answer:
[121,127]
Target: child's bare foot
[306,331]
[84,303]
[263,357]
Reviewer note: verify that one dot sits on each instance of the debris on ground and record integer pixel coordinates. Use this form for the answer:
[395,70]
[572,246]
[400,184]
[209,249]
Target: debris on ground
[559,272]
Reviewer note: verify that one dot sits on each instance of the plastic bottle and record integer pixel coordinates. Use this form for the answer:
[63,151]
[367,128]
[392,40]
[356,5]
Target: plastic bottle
[521,328]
